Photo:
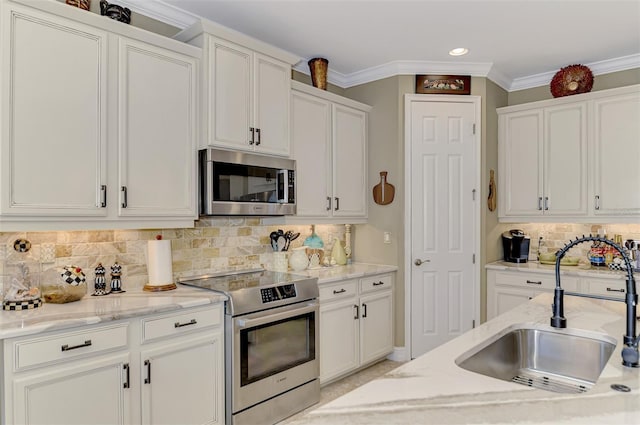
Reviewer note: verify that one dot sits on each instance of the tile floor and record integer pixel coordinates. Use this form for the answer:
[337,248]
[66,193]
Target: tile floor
[349,383]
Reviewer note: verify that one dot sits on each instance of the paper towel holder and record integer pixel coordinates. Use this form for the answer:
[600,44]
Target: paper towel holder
[158,255]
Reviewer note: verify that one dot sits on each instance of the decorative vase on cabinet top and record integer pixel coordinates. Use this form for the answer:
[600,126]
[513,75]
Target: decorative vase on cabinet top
[338,254]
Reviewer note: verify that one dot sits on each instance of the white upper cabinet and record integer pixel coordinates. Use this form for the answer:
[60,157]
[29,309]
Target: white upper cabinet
[544,156]
[616,148]
[54,98]
[329,141]
[546,148]
[247,90]
[99,122]
[157,131]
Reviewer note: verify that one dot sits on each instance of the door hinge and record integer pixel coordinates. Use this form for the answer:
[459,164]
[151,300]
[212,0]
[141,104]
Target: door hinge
[474,129]
[473,194]
[473,324]
[473,258]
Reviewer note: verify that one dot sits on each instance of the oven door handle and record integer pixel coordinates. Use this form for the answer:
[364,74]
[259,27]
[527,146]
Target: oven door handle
[258,319]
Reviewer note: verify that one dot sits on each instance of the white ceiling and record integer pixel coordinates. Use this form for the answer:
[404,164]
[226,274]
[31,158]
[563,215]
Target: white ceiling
[516,43]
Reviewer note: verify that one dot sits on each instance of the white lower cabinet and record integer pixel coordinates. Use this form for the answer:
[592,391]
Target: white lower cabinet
[506,290]
[161,370]
[356,324]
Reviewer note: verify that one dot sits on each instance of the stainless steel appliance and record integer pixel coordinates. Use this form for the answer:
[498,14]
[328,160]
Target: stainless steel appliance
[515,245]
[238,183]
[271,343]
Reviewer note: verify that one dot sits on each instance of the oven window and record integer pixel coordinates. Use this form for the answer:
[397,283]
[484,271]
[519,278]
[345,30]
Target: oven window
[244,183]
[274,347]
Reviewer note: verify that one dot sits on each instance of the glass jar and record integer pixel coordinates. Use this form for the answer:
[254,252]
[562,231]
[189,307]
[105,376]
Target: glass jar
[20,277]
[63,285]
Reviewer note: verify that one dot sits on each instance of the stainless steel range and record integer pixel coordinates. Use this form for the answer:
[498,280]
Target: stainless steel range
[271,343]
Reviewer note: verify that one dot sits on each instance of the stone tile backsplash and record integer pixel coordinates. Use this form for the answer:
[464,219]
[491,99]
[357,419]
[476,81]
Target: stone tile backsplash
[555,236]
[213,245]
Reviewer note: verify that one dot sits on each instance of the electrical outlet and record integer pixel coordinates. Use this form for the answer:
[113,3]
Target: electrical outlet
[387,237]
[48,252]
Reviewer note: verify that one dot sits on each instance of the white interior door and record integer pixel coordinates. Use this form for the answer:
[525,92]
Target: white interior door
[444,221]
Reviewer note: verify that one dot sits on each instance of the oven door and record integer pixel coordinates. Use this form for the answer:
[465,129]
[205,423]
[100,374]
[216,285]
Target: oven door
[273,351]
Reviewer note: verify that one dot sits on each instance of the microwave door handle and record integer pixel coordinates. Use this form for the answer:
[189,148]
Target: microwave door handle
[261,320]
[282,178]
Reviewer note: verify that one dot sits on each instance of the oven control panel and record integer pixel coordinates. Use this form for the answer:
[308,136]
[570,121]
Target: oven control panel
[277,293]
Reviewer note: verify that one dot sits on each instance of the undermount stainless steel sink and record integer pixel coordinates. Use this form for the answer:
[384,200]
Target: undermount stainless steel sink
[564,361]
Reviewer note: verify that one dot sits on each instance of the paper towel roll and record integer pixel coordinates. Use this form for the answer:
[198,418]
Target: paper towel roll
[159,265]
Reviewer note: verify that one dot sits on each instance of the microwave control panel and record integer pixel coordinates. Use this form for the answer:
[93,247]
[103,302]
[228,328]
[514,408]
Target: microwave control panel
[277,293]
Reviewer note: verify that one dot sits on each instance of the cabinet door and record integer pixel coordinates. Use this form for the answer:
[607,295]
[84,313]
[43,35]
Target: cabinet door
[376,326]
[338,339]
[183,382]
[349,162]
[617,155]
[520,158]
[156,131]
[565,160]
[272,93]
[229,98]
[505,298]
[53,121]
[86,392]
[311,143]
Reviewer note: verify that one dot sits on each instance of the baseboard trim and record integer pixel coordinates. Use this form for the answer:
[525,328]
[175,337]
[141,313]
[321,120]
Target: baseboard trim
[399,354]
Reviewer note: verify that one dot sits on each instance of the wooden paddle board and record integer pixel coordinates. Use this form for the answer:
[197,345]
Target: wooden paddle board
[383,192]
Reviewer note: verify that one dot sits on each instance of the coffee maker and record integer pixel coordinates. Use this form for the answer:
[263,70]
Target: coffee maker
[516,246]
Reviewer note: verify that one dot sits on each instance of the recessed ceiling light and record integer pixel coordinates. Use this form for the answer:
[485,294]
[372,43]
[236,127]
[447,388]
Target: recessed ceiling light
[458,51]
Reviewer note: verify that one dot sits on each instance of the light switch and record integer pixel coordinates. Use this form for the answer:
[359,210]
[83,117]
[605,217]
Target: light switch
[387,237]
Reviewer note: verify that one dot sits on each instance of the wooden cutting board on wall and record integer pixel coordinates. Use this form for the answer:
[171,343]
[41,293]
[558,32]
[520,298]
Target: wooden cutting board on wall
[383,192]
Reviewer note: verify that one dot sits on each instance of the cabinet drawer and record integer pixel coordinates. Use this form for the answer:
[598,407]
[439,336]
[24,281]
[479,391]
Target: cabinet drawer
[376,283]
[68,346]
[338,291]
[609,287]
[535,281]
[176,324]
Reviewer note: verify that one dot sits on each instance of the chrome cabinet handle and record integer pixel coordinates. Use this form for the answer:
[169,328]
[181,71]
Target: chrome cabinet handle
[253,135]
[534,282]
[124,196]
[615,290]
[66,347]
[597,202]
[147,364]
[103,196]
[419,262]
[328,203]
[125,367]
[546,203]
[341,291]
[540,203]
[364,310]
[258,133]
[357,313]
[179,325]
[337,203]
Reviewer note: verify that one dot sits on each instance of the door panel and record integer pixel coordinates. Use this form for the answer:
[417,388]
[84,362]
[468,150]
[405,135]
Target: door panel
[444,216]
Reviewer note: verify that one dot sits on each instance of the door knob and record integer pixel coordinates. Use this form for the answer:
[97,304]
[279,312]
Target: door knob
[419,262]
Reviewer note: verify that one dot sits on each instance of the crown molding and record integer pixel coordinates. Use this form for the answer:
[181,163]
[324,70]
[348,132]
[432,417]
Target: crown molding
[181,19]
[162,12]
[401,68]
[597,68]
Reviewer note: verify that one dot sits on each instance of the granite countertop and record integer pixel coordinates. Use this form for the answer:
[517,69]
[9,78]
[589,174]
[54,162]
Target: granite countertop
[351,271]
[432,389]
[92,310]
[581,270]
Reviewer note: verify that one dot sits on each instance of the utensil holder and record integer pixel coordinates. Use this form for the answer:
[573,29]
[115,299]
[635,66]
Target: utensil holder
[280,262]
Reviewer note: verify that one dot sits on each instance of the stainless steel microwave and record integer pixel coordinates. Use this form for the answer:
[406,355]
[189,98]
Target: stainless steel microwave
[238,183]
